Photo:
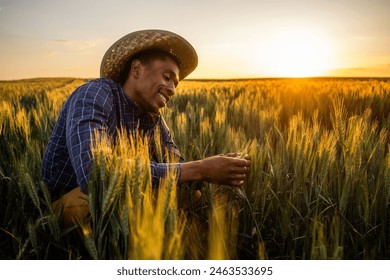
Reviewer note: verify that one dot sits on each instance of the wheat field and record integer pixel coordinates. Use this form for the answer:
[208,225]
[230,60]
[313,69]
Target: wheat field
[319,186]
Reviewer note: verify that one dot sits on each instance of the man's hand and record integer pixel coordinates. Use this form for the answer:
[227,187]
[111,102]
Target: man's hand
[230,169]
[239,155]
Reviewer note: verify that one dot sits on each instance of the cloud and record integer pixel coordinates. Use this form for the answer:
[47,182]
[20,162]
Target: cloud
[52,53]
[74,47]
[88,44]
[62,41]
[78,44]
[380,70]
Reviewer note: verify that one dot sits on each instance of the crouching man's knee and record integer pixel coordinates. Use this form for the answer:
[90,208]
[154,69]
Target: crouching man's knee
[75,207]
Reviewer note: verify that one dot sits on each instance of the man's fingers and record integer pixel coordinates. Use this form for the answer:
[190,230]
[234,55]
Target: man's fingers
[239,176]
[242,162]
[240,170]
[231,154]
[236,183]
[239,155]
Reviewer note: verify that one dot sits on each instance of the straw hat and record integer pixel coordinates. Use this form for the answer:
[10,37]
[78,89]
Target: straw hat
[119,53]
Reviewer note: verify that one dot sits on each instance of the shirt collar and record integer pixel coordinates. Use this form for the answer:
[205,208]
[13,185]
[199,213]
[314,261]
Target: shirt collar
[139,113]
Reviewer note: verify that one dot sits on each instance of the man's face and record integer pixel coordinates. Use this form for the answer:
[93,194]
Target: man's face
[156,84]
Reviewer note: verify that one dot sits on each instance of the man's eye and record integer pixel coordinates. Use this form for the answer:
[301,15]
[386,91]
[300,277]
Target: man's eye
[167,77]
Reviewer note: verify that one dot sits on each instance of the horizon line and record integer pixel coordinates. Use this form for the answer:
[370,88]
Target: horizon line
[213,79]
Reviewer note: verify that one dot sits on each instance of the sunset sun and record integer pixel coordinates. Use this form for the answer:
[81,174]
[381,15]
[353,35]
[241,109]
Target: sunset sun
[299,54]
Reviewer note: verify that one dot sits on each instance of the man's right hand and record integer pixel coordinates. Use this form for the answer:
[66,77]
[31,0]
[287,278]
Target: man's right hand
[230,169]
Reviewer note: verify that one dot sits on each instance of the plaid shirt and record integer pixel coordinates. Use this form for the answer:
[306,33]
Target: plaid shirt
[100,104]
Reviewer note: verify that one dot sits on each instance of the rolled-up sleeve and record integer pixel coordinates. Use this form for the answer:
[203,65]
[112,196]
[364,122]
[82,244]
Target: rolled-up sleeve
[159,170]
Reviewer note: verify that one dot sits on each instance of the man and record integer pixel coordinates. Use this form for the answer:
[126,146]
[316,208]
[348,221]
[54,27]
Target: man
[139,74]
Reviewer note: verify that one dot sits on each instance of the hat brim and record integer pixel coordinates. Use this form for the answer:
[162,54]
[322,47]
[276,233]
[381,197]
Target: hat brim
[121,51]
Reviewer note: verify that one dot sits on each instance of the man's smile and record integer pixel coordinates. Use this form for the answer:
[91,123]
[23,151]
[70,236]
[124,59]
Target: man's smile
[164,96]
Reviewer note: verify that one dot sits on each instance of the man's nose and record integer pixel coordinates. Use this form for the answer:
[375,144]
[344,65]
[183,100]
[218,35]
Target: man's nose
[171,88]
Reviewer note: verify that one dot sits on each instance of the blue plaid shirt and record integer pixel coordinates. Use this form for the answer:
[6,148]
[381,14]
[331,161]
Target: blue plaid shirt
[103,105]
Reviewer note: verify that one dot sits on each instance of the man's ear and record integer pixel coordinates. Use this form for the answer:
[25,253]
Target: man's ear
[136,67]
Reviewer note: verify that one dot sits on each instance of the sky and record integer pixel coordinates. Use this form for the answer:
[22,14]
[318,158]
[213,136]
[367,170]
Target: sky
[233,38]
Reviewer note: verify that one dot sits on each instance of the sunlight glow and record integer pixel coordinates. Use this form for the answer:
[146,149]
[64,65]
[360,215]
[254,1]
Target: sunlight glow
[298,53]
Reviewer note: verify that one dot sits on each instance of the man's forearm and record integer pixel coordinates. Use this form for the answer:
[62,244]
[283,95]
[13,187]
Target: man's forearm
[191,171]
